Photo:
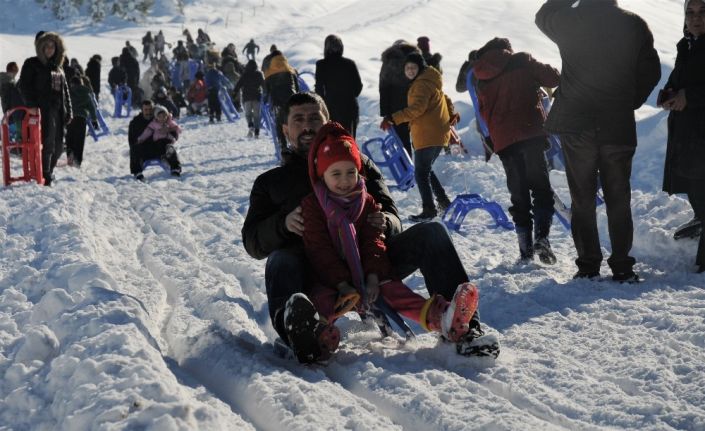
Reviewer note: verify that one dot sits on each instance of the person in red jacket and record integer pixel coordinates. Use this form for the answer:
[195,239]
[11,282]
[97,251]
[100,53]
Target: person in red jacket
[348,254]
[508,93]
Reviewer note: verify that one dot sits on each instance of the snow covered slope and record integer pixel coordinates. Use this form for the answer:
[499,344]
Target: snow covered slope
[126,305]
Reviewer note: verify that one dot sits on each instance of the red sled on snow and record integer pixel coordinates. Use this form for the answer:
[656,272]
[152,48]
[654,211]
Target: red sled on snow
[28,139]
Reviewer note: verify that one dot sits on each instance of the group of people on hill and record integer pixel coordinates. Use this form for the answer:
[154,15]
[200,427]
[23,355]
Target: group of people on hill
[330,230]
[325,219]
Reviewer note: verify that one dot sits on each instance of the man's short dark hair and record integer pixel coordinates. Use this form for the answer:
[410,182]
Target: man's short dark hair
[11,67]
[305,98]
[147,102]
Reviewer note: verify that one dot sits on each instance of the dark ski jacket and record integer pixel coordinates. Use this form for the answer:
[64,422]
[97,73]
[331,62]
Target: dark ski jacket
[81,102]
[42,81]
[131,66]
[93,73]
[251,83]
[393,84]
[137,125]
[508,94]
[9,92]
[117,76]
[338,83]
[280,81]
[280,190]
[685,151]
[609,67]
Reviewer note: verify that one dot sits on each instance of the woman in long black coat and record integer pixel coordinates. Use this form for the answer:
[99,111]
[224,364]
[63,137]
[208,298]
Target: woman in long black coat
[685,98]
[93,73]
[44,87]
[338,82]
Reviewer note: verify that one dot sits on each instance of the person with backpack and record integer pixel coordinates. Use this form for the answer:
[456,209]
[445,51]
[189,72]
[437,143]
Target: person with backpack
[45,91]
[280,82]
[684,98]
[609,69]
[508,93]
[430,115]
[250,83]
[274,226]
[339,83]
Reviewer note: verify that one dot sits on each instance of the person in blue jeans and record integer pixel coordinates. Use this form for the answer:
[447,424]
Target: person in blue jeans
[430,115]
[274,226]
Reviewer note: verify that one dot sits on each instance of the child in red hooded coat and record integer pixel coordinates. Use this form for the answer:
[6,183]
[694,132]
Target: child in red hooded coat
[348,254]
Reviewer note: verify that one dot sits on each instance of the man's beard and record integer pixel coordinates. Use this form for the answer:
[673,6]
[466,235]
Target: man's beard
[302,146]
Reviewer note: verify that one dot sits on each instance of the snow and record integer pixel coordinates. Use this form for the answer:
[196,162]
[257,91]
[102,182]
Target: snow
[126,305]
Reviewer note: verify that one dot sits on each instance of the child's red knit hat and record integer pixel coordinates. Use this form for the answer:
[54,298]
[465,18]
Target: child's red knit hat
[333,144]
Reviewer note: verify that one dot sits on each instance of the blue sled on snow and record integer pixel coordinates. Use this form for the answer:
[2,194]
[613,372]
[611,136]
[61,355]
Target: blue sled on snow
[303,86]
[156,162]
[123,98]
[269,124]
[103,131]
[389,153]
[226,104]
[463,204]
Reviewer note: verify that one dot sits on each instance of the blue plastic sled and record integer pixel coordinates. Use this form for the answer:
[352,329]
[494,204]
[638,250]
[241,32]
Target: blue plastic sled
[123,97]
[303,86]
[269,124]
[389,153]
[463,204]
[193,67]
[226,104]
[104,131]
[156,162]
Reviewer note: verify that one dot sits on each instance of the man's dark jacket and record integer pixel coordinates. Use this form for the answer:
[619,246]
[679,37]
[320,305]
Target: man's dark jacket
[279,191]
[609,67]
[137,125]
[338,82]
[93,73]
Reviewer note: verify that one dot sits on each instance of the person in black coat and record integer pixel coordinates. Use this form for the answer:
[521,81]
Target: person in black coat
[394,86]
[93,73]
[132,68]
[45,90]
[251,83]
[609,69]
[339,83]
[117,75]
[684,97]
[137,125]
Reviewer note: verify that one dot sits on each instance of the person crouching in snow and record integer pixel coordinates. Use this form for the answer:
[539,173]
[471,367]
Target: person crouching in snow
[348,255]
[163,132]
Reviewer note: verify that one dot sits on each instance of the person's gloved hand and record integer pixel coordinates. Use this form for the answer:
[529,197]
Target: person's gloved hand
[386,124]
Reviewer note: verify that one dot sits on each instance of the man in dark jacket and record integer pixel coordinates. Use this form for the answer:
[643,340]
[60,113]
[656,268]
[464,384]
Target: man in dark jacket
[132,68]
[93,73]
[45,90]
[134,130]
[274,225]
[117,75]
[9,93]
[339,83]
[609,68]
[83,111]
[394,86]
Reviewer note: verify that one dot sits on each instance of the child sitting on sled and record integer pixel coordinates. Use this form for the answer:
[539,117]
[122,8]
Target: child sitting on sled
[348,255]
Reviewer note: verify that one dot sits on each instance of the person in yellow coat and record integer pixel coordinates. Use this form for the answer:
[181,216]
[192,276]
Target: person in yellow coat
[430,115]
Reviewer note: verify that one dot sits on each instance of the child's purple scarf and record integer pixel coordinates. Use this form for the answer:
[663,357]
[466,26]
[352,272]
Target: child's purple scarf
[341,213]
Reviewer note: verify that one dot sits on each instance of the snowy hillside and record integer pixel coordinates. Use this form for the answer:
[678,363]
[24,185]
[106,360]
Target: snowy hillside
[127,305]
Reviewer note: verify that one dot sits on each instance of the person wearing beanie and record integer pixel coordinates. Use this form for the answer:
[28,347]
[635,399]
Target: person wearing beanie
[430,115]
[158,139]
[45,91]
[508,92]
[338,82]
[685,154]
[350,263]
[609,68]
[274,227]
